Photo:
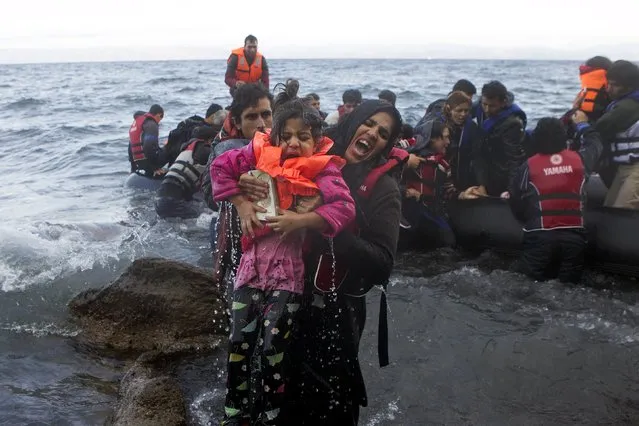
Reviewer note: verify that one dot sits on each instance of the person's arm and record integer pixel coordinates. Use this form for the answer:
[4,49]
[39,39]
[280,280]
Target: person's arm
[265,74]
[150,139]
[517,189]
[514,152]
[371,255]
[591,147]
[226,170]
[338,208]
[229,78]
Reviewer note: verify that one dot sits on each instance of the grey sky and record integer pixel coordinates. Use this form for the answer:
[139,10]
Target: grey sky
[63,30]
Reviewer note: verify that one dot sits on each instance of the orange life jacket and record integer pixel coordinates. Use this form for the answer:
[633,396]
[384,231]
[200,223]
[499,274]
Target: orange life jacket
[294,176]
[593,81]
[245,72]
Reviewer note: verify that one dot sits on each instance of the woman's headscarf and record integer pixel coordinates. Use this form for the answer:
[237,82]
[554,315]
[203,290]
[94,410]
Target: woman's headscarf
[354,174]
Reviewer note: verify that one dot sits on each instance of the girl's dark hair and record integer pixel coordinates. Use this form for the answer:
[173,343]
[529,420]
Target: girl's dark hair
[437,131]
[288,105]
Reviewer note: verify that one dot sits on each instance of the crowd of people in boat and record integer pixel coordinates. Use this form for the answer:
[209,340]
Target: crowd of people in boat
[344,186]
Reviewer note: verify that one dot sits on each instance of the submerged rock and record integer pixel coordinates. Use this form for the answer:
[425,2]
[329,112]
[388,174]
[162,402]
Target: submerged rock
[149,395]
[155,305]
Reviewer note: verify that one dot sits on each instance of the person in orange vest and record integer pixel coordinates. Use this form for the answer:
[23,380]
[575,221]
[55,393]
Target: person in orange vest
[246,65]
[270,279]
[593,98]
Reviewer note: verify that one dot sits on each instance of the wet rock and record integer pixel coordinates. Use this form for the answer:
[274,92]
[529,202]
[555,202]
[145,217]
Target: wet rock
[149,395]
[155,305]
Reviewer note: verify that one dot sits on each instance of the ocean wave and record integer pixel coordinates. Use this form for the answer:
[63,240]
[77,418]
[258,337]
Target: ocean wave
[40,330]
[24,103]
[165,80]
[43,252]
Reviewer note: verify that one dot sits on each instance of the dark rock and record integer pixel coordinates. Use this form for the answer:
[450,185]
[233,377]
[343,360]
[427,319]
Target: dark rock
[156,305]
[149,395]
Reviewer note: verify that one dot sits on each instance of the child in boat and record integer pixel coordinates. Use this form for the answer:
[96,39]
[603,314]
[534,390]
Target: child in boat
[270,278]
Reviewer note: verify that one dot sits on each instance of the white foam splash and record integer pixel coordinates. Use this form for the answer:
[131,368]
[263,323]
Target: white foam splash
[40,330]
[388,413]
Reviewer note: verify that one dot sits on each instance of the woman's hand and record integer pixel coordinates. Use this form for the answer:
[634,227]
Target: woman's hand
[253,188]
[287,222]
[414,161]
[413,193]
[247,211]
[468,194]
[308,204]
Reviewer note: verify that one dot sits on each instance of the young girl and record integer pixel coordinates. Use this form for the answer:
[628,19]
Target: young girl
[270,277]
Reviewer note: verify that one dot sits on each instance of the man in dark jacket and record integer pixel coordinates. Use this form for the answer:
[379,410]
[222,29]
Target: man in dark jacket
[501,150]
[183,133]
[619,129]
[548,197]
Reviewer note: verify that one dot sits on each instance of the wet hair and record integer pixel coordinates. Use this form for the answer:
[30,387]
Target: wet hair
[156,109]
[212,109]
[250,39]
[599,62]
[624,73]
[387,95]
[288,92]
[549,137]
[247,96]
[407,131]
[495,90]
[465,86]
[312,97]
[287,106]
[205,133]
[437,131]
[352,96]
[457,98]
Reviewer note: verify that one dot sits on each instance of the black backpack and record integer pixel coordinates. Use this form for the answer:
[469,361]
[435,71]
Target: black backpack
[181,135]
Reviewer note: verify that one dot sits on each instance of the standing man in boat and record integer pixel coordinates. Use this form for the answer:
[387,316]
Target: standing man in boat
[246,65]
[548,197]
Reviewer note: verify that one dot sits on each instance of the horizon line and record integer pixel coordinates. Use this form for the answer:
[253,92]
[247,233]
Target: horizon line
[89,61]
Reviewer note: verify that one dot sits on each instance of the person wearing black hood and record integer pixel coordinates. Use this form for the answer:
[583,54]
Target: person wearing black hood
[501,149]
[327,386]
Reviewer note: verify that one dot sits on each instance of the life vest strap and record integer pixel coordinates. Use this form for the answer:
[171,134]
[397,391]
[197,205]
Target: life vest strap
[560,196]
[562,213]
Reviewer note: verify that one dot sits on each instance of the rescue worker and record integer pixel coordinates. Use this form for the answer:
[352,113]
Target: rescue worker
[501,149]
[246,65]
[619,129]
[182,181]
[145,155]
[548,197]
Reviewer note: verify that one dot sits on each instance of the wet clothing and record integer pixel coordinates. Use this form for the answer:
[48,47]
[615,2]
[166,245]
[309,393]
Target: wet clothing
[619,129]
[326,383]
[459,154]
[154,156]
[558,254]
[182,181]
[270,265]
[548,197]
[501,149]
[240,68]
[261,328]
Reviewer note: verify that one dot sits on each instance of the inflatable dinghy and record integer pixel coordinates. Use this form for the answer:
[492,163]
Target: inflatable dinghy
[137,181]
[613,234]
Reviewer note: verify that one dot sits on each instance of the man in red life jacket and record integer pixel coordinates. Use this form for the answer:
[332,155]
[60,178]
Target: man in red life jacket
[547,196]
[246,65]
[145,155]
